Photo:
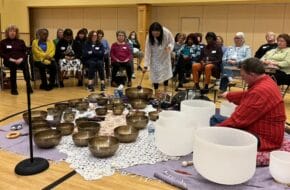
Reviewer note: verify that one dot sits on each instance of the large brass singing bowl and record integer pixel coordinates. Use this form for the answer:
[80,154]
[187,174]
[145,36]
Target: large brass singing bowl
[82,138]
[138,103]
[69,116]
[101,101]
[103,146]
[61,106]
[101,111]
[136,113]
[93,97]
[39,125]
[35,116]
[65,128]
[139,122]
[72,103]
[82,106]
[118,110]
[89,126]
[136,93]
[126,133]
[47,139]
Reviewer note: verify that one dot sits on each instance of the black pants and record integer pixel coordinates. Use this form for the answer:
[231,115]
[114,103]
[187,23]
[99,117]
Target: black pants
[156,85]
[183,67]
[116,67]
[43,68]
[107,65]
[282,78]
[93,67]
[13,70]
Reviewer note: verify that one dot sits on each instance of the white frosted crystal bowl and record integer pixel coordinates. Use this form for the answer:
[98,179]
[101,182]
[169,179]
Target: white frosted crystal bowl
[227,108]
[280,166]
[201,110]
[225,155]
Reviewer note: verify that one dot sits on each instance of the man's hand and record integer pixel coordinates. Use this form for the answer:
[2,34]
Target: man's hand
[232,62]
[224,95]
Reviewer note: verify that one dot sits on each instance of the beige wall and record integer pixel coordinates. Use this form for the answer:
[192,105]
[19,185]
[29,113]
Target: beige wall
[226,20]
[109,19]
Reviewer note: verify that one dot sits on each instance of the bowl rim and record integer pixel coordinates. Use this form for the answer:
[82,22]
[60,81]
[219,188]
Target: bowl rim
[275,155]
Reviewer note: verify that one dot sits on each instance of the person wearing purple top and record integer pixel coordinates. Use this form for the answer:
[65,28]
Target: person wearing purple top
[107,52]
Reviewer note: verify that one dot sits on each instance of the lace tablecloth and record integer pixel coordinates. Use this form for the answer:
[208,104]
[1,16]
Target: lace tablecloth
[143,151]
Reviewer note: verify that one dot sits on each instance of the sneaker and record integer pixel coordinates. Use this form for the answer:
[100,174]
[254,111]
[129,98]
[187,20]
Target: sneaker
[90,88]
[80,83]
[14,92]
[133,76]
[103,87]
[196,86]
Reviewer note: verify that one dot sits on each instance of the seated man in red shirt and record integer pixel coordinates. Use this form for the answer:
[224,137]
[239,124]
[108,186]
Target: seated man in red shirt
[260,109]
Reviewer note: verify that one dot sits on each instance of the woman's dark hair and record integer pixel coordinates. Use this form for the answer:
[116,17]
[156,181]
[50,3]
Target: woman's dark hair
[211,35]
[100,32]
[193,38]
[176,37]
[253,65]
[155,26]
[198,35]
[82,31]
[67,32]
[133,32]
[90,35]
[286,37]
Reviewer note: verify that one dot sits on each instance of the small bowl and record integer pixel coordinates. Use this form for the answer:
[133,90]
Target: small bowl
[35,116]
[61,106]
[93,97]
[139,122]
[65,128]
[47,139]
[116,101]
[280,166]
[138,103]
[102,101]
[82,138]
[136,113]
[89,126]
[153,115]
[38,126]
[126,133]
[72,103]
[103,146]
[81,119]
[69,116]
[52,111]
[110,106]
[101,111]
[118,110]
[82,106]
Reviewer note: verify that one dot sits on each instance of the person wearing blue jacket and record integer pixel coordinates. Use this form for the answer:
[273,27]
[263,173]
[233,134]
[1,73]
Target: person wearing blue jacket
[93,56]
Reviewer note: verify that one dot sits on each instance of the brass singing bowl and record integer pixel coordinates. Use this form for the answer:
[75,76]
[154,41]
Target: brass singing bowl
[89,126]
[65,128]
[118,110]
[93,97]
[103,146]
[110,106]
[72,103]
[47,139]
[101,101]
[81,119]
[82,138]
[52,111]
[139,122]
[82,106]
[139,93]
[138,103]
[69,116]
[35,115]
[101,111]
[61,106]
[153,115]
[116,101]
[40,125]
[137,113]
[126,133]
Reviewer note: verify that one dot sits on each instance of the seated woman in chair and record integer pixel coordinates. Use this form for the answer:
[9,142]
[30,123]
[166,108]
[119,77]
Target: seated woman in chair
[136,48]
[210,61]
[121,56]
[280,58]
[43,52]
[93,56]
[13,51]
[233,58]
[68,53]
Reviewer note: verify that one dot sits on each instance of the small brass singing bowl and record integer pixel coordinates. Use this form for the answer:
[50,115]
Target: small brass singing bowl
[82,138]
[126,133]
[65,128]
[52,111]
[81,119]
[110,106]
[101,111]
[93,97]
[139,122]
[72,103]
[61,106]
[153,115]
[35,116]
[82,106]
[116,101]
[47,139]
[69,116]
[137,113]
[102,101]
[138,103]
[103,146]
[89,126]
[118,110]
[39,126]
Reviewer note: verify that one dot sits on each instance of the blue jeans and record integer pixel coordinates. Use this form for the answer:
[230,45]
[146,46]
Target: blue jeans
[216,119]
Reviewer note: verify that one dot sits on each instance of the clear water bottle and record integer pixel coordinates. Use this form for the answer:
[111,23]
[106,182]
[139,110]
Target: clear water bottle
[190,94]
[151,128]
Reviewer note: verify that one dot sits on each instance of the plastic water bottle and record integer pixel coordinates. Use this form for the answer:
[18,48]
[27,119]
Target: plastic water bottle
[190,94]
[151,128]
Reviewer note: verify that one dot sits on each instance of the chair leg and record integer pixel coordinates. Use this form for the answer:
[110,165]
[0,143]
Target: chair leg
[285,91]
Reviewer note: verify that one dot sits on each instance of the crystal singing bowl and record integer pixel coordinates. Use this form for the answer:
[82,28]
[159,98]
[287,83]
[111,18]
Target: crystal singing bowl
[280,166]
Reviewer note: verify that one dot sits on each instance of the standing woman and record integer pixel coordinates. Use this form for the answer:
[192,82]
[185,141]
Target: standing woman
[159,45]
[93,55]
[13,51]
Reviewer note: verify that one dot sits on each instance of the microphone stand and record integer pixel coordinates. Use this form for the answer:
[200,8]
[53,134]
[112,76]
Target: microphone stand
[31,165]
